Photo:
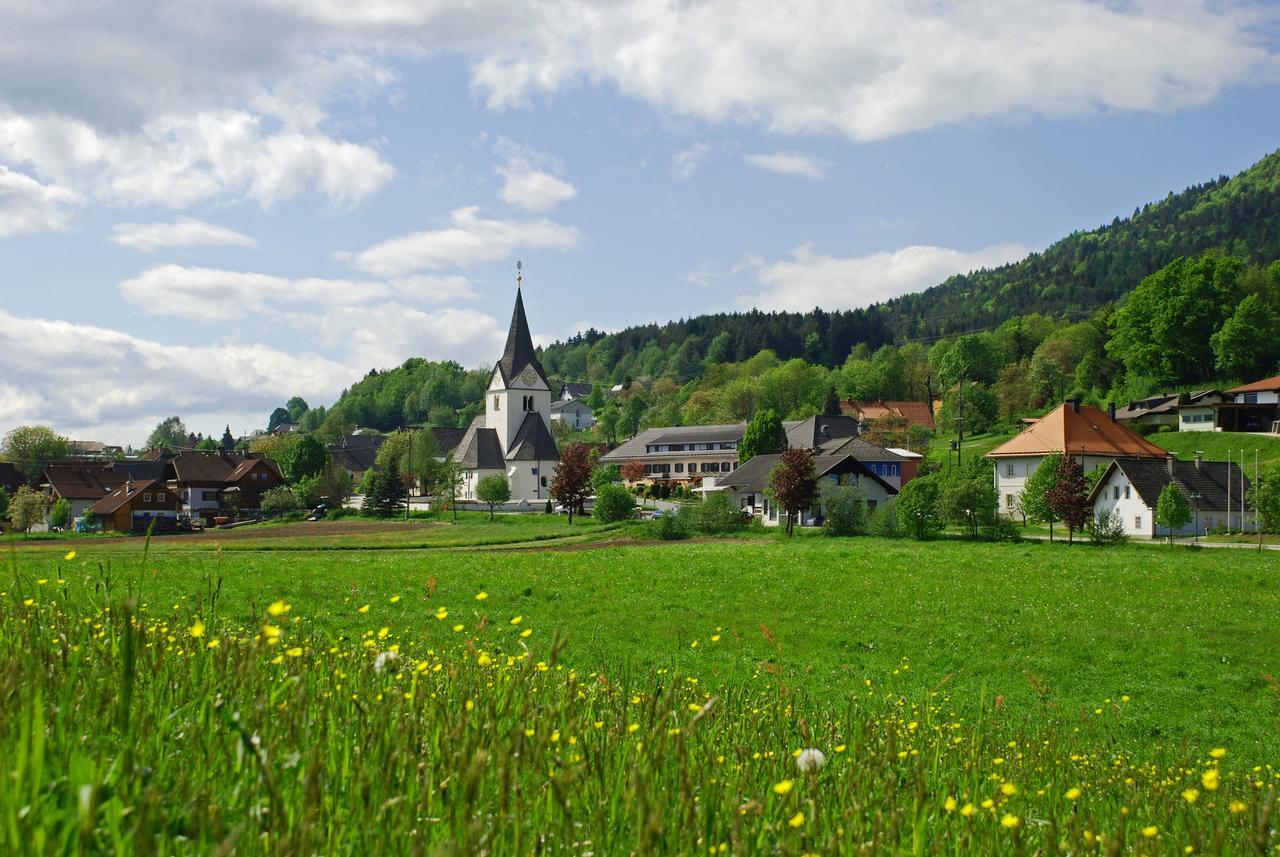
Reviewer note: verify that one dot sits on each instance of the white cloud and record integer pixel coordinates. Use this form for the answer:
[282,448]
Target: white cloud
[687,161]
[185,232]
[217,295]
[810,279]
[787,163]
[471,239]
[872,69]
[91,381]
[178,160]
[26,205]
[388,334]
[527,181]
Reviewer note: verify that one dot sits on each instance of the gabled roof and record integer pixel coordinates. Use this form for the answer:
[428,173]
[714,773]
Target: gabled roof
[197,468]
[11,478]
[1149,477]
[864,450]
[242,469]
[817,431]
[138,469]
[560,404]
[83,482]
[1087,431]
[447,438]
[918,413]
[753,474]
[479,448]
[575,390]
[519,352]
[126,493]
[635,448]
[1266,385]
[1165,403]
[533,441]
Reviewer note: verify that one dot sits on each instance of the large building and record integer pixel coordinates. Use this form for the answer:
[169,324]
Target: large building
[1087,433]
[512,438]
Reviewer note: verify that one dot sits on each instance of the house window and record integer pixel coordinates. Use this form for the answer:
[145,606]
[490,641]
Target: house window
[544,482]
[146,498]
[679,467]
[724,467]
[1126,492]
[497,403]
[1008,471]
[1008,501]
[1251,398]
[1115,492]
[1137,522]
[871,504]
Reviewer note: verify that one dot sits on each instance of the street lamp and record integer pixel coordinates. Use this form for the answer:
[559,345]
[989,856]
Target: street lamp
[1195,504]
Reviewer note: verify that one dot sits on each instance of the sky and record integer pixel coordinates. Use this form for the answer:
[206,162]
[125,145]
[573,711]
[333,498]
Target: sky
[206,209]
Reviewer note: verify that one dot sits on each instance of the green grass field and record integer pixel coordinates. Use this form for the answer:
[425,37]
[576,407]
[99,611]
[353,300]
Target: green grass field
[1217,446]
[623,698]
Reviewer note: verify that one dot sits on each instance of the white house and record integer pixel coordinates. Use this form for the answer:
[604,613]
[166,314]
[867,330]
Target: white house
[1198,411]
[1254,407]
[1130,488]
[1086,433]
[573,413]
[513,435]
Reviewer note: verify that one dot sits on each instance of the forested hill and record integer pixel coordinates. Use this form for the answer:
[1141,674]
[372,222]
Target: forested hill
[1072,277]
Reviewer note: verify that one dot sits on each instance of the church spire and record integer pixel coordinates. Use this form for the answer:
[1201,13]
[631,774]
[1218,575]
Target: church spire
[519,351]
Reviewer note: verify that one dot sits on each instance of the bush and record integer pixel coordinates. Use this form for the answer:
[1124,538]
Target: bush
[613,503]
[1107,530]
[1002,529]
[883,521]
[60,513]
[280,499]
[340,513]
[717,514]
[671,526]
[1164,429]
[846,510]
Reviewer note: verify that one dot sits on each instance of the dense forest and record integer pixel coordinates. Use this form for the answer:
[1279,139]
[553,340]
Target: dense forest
[1179,294]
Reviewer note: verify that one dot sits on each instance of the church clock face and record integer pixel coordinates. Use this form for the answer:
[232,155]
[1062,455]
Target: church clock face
[529,376]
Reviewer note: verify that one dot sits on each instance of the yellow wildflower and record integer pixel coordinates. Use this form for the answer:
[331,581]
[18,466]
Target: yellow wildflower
[364,609]
[1150,831]
[1008,789]
[1218,752]
[70,555]
[967,810]
[796,820]
[1010,821]
[1236,807]
[480,596]
[1073,793]
[784,787]
[1209,779]
[383,632]
[295,652]
[278,608]
[213,644]
[527,632]
[516,620]
[394,599]
[949,804]
[196,629]
[1190,795]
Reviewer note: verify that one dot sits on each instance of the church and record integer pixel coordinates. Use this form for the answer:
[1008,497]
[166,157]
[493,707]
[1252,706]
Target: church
[513,436]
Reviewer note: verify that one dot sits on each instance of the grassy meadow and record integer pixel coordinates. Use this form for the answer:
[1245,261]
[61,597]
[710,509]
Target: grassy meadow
[619,698]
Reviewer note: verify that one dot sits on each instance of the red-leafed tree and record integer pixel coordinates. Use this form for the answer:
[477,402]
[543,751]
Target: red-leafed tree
[792,483]
[632,471]
[572,482]
[1069,496]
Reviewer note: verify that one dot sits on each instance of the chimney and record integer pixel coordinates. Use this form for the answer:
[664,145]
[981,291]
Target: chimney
[1199,458]
[1170,461]
[1111,411]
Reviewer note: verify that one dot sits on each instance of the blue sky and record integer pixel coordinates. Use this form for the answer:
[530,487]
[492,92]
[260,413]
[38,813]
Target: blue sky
[206,213]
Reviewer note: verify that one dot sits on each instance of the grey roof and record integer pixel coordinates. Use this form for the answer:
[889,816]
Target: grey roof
[447,438]
[533,441]
[575,390]
[863,450]
[635,448]
[819,430]
[140,470]
[479,448]
[560,404]
[1149,477]
[519,352]
[753,475]
[1163,404]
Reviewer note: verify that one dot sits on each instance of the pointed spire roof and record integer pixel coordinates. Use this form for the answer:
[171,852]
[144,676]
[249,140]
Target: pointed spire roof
[519,352]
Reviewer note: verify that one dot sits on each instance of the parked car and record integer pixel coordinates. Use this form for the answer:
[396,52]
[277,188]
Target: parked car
[319,513]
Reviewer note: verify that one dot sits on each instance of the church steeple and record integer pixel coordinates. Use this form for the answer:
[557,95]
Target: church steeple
[519,352]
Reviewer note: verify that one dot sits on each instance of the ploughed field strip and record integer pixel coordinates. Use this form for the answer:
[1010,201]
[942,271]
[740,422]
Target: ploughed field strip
[960,698]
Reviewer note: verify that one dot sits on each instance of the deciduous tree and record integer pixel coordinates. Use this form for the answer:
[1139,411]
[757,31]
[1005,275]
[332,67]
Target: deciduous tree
[764,435]
[1068,498]
[31,448]
[168,434]
[792,483]
[27,509]
[493,490]
[1034,500]
[572,483]
[1173,512]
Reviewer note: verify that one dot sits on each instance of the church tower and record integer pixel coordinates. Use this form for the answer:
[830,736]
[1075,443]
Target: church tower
[519,386]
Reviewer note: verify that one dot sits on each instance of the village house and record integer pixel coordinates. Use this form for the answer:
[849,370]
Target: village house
[1154,411]
[81,485]
[574,413]
[512,438]
[138,507]
[1198,411]
[207,483]
[1087,433]
[681,453]
[356,454]
[916,413]
[1215,490]
[1253,408]
[573,390]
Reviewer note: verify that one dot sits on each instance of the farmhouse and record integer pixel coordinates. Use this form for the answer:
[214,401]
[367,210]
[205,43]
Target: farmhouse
[138,507]
[208,482]
[512,438]
[1085,432]
[81,485]
[1215,490]
[574,413]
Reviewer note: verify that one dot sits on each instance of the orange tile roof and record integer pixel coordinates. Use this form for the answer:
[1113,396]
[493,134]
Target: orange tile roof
[1265,385]
[918,413]
[1088,431]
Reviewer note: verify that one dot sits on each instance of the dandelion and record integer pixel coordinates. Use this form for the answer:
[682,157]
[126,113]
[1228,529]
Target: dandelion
[1073,793]
[271,633]
[1010,821]
[213,644]
[364,609]
[967,810]
[279,608]
[458,628]
[197,629]
[949,804]
[394,599]
[383,632]
[796,820]
[481,596]
[1218,752]
[810,761]
[483,659]
[1236,807]
[516,620]
[633,727]
[295,652]
[69,555]
[470,706]
[784,787]
[840,748]
[442,613]
[1008,789]
[1190,795]
[1150,831]
[27,602]
[384,660]
[1209,779]
[527,632]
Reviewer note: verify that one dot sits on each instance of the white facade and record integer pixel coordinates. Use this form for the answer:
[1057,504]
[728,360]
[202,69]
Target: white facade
[1013,471]
[1192,418]
[1119,496]
[574,414]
